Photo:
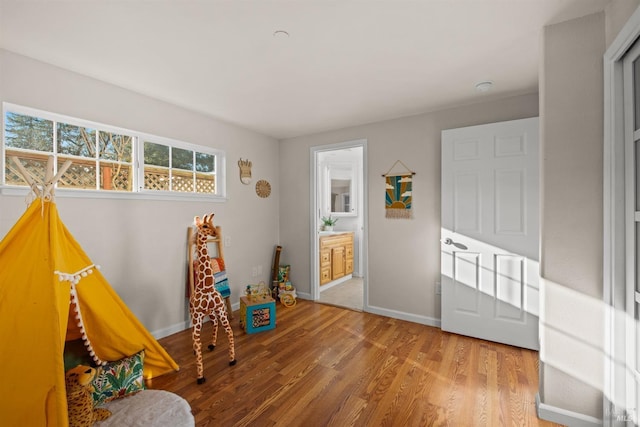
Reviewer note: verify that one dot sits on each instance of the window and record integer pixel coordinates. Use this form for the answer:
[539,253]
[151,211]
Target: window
[168,168]
[104,158]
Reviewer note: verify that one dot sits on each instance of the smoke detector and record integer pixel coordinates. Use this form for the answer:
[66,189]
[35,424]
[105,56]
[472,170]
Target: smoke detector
[484,86]
[281,34]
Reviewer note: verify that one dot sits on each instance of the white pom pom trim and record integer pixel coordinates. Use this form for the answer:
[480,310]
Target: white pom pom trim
[74,279]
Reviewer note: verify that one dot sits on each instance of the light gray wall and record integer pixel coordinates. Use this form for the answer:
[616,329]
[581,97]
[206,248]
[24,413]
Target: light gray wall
[571,111]
[141,244]
[617,14]
[404,255]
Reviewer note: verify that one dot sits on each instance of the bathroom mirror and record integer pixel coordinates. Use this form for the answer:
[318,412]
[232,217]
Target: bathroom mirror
[341,190]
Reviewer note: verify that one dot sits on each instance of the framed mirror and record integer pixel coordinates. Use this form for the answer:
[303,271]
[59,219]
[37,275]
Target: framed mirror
[341,194]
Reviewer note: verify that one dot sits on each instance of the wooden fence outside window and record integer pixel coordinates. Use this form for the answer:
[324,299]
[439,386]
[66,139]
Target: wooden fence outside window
[114,176]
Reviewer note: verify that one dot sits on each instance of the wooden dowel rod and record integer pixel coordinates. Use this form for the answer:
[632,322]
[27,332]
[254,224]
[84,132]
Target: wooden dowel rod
[24,172]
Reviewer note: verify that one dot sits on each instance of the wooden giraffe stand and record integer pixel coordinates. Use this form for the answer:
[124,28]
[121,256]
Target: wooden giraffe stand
[205,300]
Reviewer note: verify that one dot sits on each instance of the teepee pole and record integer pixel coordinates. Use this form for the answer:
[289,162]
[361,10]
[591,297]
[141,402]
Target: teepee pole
[25,174]
[49,179]
[48,173]
[49,189]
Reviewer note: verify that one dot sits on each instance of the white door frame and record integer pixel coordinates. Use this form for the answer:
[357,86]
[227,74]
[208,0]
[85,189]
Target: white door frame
[614,262]
[315,224]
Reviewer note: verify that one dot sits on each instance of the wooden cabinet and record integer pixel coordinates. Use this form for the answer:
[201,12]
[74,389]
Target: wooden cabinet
[336,256]
[337,262]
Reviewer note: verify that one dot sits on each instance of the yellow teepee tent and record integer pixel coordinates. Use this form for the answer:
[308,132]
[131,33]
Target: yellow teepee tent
[41,266]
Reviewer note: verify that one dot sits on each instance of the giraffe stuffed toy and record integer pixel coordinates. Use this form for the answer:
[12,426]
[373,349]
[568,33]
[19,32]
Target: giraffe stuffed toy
[205,299]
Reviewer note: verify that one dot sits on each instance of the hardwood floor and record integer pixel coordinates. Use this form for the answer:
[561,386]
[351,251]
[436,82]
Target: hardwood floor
[327,366]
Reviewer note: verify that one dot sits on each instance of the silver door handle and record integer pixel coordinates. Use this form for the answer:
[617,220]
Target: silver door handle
[448,241]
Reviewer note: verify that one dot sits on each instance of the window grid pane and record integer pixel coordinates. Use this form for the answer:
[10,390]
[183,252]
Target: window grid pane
[27,132]
[205,162]
[156,154]
[181,181]
[115,147]
[116,176]
[76,141]
[181,159]
[205,183]
[81,174]
[34,163]
[156,178]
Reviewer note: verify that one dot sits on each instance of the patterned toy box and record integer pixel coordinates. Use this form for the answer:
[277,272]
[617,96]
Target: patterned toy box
[257,316]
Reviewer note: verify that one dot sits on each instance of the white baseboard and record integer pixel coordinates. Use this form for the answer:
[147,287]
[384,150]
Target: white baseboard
[170,330]
[335,282]
[304,295]
[563,416]
[423,320]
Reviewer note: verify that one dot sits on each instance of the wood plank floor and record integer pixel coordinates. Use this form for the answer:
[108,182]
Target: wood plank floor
[327,366]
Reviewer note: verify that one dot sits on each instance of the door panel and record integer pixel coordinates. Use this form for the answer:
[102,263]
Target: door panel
[510,287]
[489,251]
[337,262]
[466,281]
[510,201]
[466,207]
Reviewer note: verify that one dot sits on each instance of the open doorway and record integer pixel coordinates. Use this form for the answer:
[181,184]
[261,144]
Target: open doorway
[339,252]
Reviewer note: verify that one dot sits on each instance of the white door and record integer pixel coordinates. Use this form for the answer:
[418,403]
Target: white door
[490,232]
[631,94]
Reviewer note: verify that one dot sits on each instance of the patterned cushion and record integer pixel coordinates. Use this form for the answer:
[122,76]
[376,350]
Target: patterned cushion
[119,379]
[222,284]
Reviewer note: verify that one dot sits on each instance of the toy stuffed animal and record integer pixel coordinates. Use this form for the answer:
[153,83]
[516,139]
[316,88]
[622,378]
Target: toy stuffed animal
[79,400]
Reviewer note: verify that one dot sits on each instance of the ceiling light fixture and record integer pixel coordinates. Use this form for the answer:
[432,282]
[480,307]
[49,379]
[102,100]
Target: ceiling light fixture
[280,34]
[484,86]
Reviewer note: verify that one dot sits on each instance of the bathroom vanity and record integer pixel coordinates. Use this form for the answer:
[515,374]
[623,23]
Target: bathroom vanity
[336,256]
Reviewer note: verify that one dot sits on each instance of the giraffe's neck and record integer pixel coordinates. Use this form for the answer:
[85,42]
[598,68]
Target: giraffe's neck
[204,262]
[203,250]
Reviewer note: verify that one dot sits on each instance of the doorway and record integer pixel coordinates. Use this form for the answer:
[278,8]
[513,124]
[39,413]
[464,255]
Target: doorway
[339,192]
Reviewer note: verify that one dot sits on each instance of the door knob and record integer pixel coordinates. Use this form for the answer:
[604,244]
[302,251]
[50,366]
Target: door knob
[448,241]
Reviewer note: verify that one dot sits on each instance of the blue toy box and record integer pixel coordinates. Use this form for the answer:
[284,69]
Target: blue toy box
[257,316]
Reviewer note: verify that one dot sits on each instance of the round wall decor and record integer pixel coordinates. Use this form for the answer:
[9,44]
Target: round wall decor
[263,188]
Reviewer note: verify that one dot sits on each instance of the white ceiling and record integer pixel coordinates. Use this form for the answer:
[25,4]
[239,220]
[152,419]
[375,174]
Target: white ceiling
[344,63]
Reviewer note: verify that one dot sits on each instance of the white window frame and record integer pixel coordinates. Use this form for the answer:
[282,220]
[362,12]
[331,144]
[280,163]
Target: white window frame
[142,138]
[137,192]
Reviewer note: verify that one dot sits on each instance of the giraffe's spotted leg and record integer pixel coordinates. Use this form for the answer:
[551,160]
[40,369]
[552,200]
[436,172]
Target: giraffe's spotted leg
[224,320]
[197,346]
[214,336]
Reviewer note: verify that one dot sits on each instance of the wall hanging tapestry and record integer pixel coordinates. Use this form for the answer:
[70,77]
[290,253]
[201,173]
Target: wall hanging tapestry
[398,198]
[245,171]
